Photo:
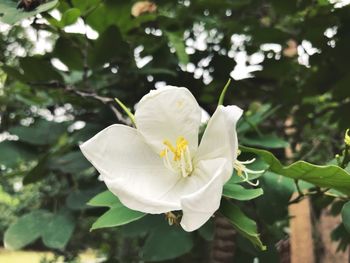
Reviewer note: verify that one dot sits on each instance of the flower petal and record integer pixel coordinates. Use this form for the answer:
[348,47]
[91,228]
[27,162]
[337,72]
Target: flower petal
[167,114]
[199,206]
[131,170]
[220,137]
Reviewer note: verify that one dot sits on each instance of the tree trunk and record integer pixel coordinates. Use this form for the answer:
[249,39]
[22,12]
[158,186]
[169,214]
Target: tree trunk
[223,246]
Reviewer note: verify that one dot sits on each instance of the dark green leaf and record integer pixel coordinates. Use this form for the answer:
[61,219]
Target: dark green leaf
[15,152]
[345,214]
[166,243]
[73,163]
[77,200]
[243,224]
[38,172]
[42,132]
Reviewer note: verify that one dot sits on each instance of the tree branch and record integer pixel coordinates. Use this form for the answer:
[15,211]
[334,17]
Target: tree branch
[71,89]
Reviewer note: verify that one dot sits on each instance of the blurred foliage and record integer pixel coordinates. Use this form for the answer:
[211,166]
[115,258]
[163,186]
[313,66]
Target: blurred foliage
[57,84]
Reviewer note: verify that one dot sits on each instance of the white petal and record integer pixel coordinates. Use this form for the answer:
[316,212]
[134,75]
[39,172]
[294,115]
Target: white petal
[199,206]
[131,169]
[167,114]
[220,137]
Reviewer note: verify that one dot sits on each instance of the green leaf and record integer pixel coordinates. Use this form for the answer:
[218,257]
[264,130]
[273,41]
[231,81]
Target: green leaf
[238,192]
[15,152]
[67,50]
[166,242]
[177,41]
[243,224]
[42,132]
[55,230]
[58,231]
[207,230]
[254,117]
[38,172]
[110,46]
[70,16]
[25,231]
[345,214]
[267,141]
[9,13]
[77,200]
[39,69]
[278,190]
[72,162]
[330,176]
[106,198]
[118,214]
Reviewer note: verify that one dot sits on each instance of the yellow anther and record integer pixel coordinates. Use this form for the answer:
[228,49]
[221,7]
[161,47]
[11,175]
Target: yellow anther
[162,153]
[172,218]
[168,144]
[181,159]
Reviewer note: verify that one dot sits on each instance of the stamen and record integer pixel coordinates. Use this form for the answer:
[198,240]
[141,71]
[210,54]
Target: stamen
[170,146]
[188,157]
[181,161]
[167,162]
[172,218]
[248,161]
[243,171]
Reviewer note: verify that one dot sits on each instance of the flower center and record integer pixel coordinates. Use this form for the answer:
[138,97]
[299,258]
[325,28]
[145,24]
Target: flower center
[181,160]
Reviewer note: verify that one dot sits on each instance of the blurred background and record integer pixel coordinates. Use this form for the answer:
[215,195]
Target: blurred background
[60,70]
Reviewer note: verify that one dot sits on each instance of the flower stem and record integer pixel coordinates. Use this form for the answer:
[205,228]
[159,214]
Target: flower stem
[223,246]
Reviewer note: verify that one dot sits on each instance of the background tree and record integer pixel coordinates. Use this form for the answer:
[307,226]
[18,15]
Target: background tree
[61,70]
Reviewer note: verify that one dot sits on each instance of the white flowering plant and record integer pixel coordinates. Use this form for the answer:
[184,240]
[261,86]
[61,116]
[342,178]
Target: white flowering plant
[164,165]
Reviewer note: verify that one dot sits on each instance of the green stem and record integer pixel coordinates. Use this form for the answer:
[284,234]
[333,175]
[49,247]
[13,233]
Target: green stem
[346,158]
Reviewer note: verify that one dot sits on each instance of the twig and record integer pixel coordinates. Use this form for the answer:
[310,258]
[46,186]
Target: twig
[71,89]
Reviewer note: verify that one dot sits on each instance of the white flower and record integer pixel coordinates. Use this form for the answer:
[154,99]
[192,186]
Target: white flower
[159,167]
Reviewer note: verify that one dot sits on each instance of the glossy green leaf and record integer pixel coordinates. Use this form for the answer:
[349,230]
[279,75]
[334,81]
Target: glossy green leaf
[9,13]
[243,224]
[238,192]
[330,176]
[118,214]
